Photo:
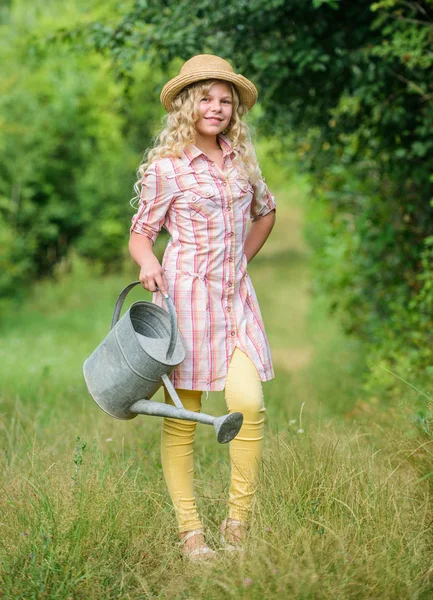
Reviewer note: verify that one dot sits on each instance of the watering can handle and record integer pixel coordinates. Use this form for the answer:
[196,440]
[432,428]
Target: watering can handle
[171,311]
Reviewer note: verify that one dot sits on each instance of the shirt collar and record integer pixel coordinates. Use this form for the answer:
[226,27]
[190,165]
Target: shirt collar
[226,145]
[191,152]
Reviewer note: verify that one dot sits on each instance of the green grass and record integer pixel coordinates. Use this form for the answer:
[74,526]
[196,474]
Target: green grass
[341,511]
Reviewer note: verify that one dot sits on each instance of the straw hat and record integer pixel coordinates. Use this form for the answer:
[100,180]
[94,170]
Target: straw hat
[208,66]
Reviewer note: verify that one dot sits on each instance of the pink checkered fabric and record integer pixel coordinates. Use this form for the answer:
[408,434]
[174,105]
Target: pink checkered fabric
[206,210]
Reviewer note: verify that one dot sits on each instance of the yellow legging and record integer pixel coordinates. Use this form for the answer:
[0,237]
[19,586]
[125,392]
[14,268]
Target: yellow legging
[243,393]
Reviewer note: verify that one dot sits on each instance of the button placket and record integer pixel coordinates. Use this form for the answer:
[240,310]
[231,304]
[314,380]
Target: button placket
[230,283]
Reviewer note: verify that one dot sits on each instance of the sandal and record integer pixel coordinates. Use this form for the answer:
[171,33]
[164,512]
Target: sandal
[237,541]
[196,554]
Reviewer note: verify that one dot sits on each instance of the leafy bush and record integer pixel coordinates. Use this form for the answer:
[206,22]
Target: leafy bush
[67,137]
[354,81]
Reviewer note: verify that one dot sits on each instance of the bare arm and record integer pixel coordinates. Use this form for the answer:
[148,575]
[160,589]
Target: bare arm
[258,234]
[151,272]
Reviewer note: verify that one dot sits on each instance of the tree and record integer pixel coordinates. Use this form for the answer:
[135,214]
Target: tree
[70,146]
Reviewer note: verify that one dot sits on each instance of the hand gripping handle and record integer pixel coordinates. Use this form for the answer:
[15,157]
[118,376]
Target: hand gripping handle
[171,311]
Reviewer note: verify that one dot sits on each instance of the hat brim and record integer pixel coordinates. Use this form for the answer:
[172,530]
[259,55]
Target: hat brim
[246,89]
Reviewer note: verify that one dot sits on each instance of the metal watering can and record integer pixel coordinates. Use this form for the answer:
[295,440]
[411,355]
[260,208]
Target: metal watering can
[135,359]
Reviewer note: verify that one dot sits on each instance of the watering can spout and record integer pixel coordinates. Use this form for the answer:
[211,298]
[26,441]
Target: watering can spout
[227,427]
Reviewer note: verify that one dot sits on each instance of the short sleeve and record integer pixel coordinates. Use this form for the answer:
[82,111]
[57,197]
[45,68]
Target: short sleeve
[263,202]
[155,200]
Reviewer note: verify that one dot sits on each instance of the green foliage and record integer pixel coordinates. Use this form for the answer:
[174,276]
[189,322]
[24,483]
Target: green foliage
[354,80]
[70,146]
[375,196]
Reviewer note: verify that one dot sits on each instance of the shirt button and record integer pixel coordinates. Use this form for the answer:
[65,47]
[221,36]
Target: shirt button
[230,258]
[228,207]
[233,333]
[229,309]
[208,194]
[229,283]
[193,197]
[230,234]
[224,183]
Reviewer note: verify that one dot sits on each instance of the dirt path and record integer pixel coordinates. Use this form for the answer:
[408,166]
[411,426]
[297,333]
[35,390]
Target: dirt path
[308,347]
[286,299]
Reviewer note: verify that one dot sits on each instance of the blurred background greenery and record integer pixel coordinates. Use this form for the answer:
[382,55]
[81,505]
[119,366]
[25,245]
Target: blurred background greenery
[345,86]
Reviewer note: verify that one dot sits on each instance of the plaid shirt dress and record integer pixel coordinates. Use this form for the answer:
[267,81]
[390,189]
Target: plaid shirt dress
[206,210]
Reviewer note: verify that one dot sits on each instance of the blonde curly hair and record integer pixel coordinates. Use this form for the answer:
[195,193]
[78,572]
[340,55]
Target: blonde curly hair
[178,131]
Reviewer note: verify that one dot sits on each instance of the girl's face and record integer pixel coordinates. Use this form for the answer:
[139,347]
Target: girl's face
[215,110]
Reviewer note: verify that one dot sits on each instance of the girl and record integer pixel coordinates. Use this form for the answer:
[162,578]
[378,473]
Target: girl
[201,181]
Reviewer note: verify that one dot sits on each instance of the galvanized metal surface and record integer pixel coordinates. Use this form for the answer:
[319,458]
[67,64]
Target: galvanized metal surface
[134,360]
